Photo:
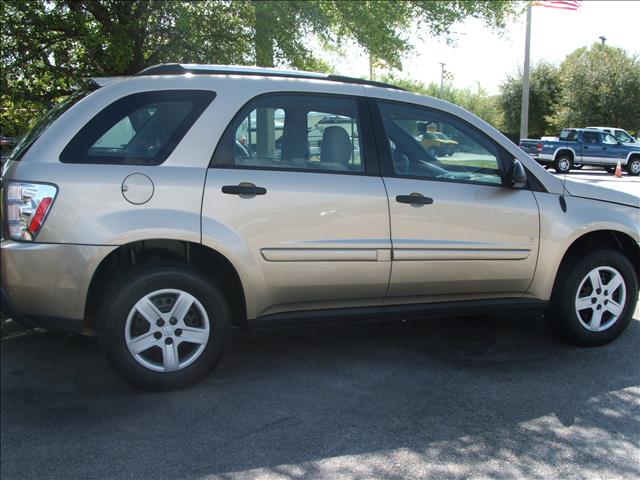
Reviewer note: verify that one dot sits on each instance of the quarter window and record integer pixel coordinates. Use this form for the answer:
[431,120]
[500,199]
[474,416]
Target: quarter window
[295,132]
[139,129]
[428,144]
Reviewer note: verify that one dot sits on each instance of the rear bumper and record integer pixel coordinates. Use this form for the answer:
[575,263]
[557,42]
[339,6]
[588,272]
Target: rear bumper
[50,323]
[46,284]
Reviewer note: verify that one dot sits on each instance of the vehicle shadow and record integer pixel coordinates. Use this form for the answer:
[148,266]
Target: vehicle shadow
[281,401]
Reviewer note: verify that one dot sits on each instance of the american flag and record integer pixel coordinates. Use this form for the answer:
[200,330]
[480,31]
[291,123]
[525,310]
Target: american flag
[563,5]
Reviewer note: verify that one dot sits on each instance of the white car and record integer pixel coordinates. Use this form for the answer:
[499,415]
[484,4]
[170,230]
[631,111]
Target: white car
[620,134]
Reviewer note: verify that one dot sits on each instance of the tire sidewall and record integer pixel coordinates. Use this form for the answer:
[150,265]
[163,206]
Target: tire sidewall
[570,325]
[559,160]
[629,165]
[132,288]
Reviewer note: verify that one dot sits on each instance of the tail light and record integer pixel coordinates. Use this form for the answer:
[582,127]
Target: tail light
[539,147]
[27,207]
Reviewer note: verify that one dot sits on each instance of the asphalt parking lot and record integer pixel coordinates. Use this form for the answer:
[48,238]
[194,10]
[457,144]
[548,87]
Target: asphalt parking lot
[485,397]
[598,176]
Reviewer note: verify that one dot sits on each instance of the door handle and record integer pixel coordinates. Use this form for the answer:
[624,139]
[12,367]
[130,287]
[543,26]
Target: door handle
[585,148]
[244,189]
[414,199]
[604,148]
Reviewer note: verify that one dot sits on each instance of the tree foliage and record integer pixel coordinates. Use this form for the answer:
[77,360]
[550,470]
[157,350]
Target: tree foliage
[600,86]
[48,44]
[544,95]
[477,101]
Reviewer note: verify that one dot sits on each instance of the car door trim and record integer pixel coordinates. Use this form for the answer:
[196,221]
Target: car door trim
[326,254]
[440,254]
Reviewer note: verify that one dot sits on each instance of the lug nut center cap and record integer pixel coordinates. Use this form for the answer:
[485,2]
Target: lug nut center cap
[168,331]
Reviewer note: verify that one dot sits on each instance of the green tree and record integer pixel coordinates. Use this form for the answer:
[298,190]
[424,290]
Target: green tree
[380,27]
[48,44]
[544,95]
[600,86]
[477,101]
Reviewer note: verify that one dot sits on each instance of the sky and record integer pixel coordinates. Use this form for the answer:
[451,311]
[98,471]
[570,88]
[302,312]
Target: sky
[481,55]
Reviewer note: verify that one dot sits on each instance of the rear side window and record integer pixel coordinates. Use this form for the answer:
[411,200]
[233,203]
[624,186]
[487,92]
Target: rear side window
[139,129]
[591,137]
[294,132]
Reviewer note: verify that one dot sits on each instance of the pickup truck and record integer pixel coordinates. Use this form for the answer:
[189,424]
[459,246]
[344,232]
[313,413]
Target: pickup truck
[579,146]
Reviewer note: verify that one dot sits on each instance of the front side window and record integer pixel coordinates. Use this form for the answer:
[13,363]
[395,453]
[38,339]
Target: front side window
[622,136]
[295,132]
[425,143]
[609,139]
[139,129]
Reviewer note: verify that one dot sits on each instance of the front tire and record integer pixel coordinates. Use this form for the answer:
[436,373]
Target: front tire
[563,164]
[633,166]
[594,298]
[163,328]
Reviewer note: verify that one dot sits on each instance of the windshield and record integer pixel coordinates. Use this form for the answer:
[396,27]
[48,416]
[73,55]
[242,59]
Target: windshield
[43,123]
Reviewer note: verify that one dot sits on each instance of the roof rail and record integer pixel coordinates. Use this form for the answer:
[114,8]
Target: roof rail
[197,69]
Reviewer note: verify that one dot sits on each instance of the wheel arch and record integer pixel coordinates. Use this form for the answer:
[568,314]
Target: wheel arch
[206,260]
[587,242]
[632,155]
[564,151]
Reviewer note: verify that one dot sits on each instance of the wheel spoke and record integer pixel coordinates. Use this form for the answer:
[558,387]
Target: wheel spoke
[596,281]
[614,283]
[583,302]
[148,310]
[170,359]
[596,318]
[614,307]
[194,335]
[142,343]
[182,306]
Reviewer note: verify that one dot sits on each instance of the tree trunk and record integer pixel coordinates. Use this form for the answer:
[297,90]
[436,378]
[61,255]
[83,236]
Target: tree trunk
[263,33]
[265,131]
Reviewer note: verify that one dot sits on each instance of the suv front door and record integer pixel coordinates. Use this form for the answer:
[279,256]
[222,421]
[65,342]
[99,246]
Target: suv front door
[457,232]
[296,190]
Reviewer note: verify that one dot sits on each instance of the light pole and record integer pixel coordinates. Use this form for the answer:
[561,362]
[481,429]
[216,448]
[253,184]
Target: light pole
[442,77]
[602,39]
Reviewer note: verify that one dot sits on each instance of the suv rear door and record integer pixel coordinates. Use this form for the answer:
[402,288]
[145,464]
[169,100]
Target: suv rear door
[296,189]
[457,232]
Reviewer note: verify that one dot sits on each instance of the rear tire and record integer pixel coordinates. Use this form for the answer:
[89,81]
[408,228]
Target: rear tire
[633,166]
[164,328]
[563,164]
[594,298]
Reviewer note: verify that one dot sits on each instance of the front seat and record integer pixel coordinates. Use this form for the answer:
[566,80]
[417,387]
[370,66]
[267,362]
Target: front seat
[335,149]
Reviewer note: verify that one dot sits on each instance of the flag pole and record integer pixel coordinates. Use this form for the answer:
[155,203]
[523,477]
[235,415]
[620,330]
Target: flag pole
[524,115]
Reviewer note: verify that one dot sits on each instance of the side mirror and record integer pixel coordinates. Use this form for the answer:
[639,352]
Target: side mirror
[518,176]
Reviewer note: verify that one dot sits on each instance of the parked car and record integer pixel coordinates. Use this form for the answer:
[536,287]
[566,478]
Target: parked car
[141,211]
[436,143]
[620,134]
[578,146]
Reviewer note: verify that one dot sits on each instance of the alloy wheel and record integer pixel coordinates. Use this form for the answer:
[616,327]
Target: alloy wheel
[600,299]
[167,330]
